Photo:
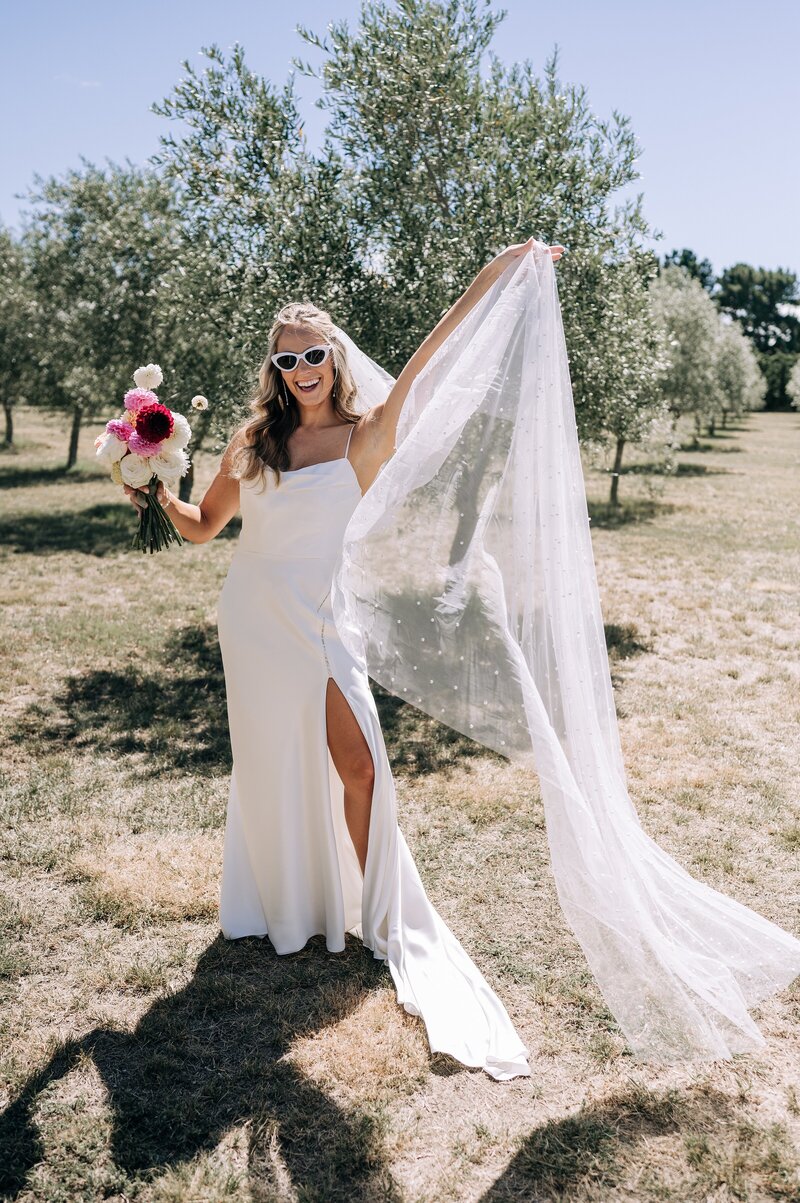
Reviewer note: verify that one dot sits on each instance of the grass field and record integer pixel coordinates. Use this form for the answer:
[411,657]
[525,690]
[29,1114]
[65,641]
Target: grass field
[146,1058]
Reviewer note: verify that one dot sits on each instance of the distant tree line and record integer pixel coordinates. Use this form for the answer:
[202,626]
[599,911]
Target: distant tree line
[766,305]
[429,165]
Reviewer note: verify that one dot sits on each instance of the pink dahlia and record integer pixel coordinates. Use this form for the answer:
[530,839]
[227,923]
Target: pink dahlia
[142,446]
[123,430]
[136,398]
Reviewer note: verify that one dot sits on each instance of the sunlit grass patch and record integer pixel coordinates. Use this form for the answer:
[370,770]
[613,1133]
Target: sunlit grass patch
[376,1051]
[153,878]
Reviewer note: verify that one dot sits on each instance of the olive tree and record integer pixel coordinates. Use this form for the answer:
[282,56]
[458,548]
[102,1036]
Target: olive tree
[742,386]
[99,241]
[429,165]
[263,222]
[17,326]
[793,387]
[453,163]
[688,322]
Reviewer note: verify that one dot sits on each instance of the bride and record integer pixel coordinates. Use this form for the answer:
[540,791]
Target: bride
[312,844]
[432,533]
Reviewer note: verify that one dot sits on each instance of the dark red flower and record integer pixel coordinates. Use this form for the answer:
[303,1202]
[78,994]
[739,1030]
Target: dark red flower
[154,422]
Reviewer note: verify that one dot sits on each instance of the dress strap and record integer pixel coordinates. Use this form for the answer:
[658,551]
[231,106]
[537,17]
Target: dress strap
[349,437]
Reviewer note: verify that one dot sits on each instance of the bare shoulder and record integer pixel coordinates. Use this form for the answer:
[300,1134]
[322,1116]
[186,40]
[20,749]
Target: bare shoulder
[235,444]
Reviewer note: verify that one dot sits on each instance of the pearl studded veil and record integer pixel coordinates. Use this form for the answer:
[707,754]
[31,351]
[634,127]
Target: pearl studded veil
[467,586]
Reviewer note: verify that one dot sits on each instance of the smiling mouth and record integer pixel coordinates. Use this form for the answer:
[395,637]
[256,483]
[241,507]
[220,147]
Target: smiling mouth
[308,385]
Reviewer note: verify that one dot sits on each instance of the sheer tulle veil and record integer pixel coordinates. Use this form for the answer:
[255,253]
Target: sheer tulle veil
[467,586]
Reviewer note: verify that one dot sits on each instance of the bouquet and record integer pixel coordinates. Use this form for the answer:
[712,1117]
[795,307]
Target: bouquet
[145,445]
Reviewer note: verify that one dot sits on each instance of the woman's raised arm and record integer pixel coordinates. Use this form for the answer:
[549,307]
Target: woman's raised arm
[199,523]
[384,417]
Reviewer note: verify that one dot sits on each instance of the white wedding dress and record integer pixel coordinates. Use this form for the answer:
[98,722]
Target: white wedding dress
[290,869]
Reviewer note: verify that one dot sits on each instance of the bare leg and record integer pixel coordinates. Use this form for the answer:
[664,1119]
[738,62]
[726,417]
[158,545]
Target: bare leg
[353,760]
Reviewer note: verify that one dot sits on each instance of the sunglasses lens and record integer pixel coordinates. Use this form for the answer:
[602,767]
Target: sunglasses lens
[286,362]
[316,355]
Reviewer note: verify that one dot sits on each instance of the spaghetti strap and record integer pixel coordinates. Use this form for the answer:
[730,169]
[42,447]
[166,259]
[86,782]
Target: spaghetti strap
[350,435]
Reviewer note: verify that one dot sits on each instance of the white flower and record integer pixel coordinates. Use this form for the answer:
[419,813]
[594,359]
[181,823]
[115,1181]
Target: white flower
[169,465]
[110,449]
[181,433]
[199,402]
[149,376]
[171,482]
[136,470]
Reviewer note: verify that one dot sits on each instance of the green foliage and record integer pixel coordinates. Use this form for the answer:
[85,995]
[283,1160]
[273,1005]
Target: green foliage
[742,385]
[98,243]
[453,164]
[428,167]
[700,269]
[264,222]
[689,324]
[616,341]
[17,316]
[793,384]
[777,367]
[764,303]
[709,368]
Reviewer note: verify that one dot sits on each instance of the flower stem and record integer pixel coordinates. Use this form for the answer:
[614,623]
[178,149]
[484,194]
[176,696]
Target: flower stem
[156,530]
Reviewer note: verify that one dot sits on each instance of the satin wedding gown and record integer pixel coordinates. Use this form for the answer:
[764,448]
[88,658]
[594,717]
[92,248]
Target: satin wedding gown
[290,870]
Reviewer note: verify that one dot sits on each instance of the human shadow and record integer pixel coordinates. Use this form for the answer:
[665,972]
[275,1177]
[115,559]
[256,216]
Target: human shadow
[213,1056]
[98,530]
[560,1157]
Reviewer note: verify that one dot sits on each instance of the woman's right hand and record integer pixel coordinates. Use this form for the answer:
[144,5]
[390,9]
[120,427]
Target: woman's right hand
[136,496]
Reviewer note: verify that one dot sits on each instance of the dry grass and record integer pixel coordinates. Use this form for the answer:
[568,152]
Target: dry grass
[145,1058]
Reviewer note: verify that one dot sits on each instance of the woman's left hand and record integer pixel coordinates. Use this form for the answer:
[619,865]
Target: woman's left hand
[519,248]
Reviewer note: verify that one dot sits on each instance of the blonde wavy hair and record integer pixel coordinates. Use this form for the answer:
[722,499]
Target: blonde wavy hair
[275,413]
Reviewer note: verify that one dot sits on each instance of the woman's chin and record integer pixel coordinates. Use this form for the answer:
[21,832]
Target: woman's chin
[313,400]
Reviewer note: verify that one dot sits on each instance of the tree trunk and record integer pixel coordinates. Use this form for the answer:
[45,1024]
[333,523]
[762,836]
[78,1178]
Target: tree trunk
[74,435]
[9,412]
[185,484]
[615,471]
[712,426]
[724,418]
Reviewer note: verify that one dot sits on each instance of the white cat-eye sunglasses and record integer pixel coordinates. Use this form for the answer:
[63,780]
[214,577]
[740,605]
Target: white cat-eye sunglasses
[287,361]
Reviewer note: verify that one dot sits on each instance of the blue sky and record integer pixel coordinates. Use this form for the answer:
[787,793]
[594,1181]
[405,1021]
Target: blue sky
[712,88]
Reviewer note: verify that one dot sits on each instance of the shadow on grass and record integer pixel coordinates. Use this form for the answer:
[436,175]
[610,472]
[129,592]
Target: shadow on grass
[601,1147]
[178,719]
[207,1058]
[718,444]
[681,469]
[561,1157]
[96,531]
[16,477]
[640,509]
[417,744]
